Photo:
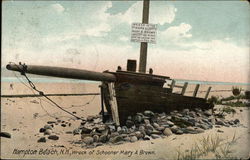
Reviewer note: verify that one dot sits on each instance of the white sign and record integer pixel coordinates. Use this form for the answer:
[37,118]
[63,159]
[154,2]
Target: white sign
[141,32]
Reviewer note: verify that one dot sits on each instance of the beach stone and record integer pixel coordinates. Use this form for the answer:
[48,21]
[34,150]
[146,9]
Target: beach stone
[138,119]
[63,125]
[133,139]
[165,125]
[169,117]
[47,127]
[203,126]
[125,129]
[190,129]
[161,128]
[129,123]
[88,140]
[192,114]
[192,120]
[178,114]
[127,139]
[155,125]
[156,132]
[148,113]
[90,118]
[85,130]
[179,131]
[41,140]
[51,122]
[141,128]
[139,114]
[76,131]
[105,132]
[95,138]
[220,131]
[199,130]
[103,138]
[53,137]
[97,120]
[5,134]
[170,123]
[69,132]
[48,132]
[118,129]
[236,121]
[167,132]
[146,121]
[185,111]
[149,129]
[174,128]
[208,112]
[146,137]
[41,130]
[155,136]
[212,120]
[114,134]
[101,128]
[138,134]
[219,122]
[116,139]
[231,122]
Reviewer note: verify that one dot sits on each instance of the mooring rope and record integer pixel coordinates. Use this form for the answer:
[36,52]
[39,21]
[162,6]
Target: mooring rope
[32,85]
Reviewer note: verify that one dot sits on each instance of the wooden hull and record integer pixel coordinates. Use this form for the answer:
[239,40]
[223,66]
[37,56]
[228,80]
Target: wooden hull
[138,98]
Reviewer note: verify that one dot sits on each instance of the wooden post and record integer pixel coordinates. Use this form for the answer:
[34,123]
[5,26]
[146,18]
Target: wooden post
[113,104]
[144,45]
[209,89]
[102,104]
[196,90]
[172,84]
[184,88]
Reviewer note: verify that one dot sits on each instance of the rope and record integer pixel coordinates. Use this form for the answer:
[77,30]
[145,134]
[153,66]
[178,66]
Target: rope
[32,85]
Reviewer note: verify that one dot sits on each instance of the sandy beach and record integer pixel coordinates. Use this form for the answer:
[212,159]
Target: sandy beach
[23,117]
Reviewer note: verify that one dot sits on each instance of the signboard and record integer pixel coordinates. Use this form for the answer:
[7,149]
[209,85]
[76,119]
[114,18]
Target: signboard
[141,32]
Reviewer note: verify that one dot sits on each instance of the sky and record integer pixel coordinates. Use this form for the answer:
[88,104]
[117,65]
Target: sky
[196,40]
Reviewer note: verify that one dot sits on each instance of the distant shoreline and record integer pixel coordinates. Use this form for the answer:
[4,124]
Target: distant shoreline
[64,80]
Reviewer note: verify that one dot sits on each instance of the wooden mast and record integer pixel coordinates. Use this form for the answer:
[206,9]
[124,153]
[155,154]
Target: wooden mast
[144,45]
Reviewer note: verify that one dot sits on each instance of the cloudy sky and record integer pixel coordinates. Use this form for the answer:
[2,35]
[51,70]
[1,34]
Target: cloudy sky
[206,41]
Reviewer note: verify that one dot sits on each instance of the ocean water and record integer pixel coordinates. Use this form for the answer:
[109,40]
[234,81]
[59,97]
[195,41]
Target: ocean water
[10,76]
[44,80]
[65,80]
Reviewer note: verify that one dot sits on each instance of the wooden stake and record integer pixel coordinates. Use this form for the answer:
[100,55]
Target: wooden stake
[196,90]
[208,91]
[184,88]
[113,104]
[172,84]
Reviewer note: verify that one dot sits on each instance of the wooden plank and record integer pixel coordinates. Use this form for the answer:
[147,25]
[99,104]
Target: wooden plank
[196,90]
[208,91]
[113,104]
[184,88]
[172,84]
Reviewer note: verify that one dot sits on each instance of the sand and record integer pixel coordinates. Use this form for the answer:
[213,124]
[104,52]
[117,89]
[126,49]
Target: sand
[23,117]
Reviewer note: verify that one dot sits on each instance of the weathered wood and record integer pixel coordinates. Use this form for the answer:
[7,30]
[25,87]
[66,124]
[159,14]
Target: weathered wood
[184,88]
[63,72]
[144,45]
[113,104]
[196,90]
[172,84]
[208,91]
